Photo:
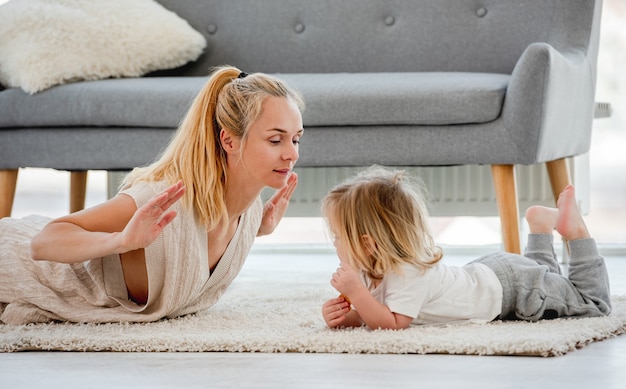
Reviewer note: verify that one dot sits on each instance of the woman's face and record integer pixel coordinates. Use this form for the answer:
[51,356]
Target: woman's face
[271,148]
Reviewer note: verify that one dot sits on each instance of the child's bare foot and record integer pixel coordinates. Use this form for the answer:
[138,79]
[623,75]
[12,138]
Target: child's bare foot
[541,220]
[570,223]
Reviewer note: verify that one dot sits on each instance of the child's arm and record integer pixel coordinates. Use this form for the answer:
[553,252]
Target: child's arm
[368,309]
[375,314]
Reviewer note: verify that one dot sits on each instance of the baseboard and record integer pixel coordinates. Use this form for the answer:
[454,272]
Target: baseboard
[607,250]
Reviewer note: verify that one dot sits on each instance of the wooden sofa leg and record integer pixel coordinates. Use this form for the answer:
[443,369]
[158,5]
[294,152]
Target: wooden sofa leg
[78,190]
[558,171]
[8,183]
[508,207]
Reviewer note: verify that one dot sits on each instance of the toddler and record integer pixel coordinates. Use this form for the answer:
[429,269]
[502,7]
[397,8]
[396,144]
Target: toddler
[391,274]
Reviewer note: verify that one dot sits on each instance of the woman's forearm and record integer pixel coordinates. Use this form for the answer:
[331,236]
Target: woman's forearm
[93,232]
[68,243]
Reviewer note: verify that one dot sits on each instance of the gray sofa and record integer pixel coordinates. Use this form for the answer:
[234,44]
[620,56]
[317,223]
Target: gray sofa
[401,83]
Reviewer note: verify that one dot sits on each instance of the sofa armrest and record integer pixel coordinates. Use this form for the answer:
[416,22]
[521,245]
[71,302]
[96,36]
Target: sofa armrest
[548,108]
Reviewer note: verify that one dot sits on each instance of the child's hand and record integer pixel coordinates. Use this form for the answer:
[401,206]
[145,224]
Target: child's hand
[346,280]
[334,311]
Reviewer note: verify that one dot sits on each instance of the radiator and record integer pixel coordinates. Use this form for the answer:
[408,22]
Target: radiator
[453,190]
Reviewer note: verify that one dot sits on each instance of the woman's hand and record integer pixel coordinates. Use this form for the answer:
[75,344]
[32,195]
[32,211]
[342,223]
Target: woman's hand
[113,227]
[150,220]
[276,207]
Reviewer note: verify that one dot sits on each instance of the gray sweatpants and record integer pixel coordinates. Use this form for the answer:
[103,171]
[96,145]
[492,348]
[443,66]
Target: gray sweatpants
[534,288]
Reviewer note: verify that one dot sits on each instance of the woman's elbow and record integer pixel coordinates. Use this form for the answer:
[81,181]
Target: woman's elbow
[36,248]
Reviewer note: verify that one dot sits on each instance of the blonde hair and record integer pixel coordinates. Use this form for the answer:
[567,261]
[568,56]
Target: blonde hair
[383,205]
[229,100]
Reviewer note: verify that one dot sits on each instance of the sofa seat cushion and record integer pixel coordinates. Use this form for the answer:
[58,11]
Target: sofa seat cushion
[334,99]
[373,99]
[123,102]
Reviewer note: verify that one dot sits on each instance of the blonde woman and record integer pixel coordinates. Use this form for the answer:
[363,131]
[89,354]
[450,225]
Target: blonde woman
[179,230]
[391,274]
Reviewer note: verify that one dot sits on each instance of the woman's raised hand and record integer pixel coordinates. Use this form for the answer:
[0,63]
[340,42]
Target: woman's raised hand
[276,206]
[149,220]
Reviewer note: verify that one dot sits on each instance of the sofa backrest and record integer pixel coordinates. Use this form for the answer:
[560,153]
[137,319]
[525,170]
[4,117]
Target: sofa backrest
[323,36]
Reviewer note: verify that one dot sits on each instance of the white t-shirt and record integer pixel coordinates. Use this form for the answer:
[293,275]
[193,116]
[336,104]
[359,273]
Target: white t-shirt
[442,293]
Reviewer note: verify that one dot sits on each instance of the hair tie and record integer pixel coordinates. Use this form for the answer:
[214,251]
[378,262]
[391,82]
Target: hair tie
[242,75]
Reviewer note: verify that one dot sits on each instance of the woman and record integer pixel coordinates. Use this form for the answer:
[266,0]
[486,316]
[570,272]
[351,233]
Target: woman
[180,229]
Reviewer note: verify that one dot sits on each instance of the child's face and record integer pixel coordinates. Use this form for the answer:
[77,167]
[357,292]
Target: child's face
[341,245]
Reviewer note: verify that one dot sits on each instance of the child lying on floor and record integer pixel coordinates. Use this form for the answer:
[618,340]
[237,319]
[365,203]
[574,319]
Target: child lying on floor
[391,273]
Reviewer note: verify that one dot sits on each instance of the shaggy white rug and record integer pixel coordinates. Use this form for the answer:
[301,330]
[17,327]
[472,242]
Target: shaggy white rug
[262,312]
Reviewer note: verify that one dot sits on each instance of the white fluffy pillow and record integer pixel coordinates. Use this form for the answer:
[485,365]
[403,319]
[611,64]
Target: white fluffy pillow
[49,42]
